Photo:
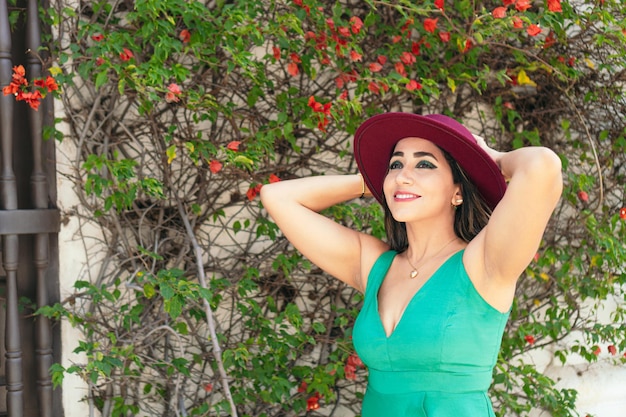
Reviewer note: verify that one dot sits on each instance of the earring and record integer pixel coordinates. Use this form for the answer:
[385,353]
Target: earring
[459,201]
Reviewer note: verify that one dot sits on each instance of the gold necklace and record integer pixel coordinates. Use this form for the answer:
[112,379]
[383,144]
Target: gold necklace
[415,272]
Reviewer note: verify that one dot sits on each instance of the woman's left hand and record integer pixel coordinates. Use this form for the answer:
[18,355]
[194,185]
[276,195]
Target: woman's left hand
[495,155]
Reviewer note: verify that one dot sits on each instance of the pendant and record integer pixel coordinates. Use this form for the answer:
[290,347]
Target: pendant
[413,273]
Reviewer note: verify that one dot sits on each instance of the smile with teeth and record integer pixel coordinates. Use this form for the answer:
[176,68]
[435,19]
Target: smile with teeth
[405,196]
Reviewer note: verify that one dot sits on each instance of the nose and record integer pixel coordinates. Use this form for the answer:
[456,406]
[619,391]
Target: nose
[404,176]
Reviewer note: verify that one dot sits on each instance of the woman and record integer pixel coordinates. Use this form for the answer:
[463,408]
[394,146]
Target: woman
[439,289]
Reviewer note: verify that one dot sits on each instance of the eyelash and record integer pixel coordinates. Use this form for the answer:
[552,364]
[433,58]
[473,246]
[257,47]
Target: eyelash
[420,164]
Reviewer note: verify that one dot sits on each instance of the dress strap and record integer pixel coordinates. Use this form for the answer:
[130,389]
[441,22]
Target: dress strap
[378,271]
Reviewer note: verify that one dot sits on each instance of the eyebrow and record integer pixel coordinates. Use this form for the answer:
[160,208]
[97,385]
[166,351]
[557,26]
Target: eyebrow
[416,154]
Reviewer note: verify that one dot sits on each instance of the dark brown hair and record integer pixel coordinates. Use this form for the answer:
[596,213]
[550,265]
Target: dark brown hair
[469,217]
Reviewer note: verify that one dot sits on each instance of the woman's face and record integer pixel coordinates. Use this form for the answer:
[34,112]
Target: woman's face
[419,182]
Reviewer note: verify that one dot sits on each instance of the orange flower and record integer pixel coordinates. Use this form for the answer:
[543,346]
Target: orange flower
[355,56]
[292,69]
[184,36]
[533,30]
[555,6]
[522,5]
[400,68]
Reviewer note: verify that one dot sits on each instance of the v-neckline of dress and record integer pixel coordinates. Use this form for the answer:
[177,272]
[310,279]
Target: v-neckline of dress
[413,297]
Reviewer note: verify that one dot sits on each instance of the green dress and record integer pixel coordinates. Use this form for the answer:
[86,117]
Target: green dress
[439,360]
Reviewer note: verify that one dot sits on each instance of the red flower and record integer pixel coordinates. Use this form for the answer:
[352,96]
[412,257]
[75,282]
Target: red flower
[407,58]
[302,387]
[550,40]
[430,25]
[508,2]
[233,145]
[622,213]
[373,87]
[413,85]
[357,24]
[554,6]
[612,350]
[173,93]
[32,99]
[273,178]
[583,196]
[382,59]
[97,37]
[343,31]
[499,12]
[99,61]
[184,36]
[530,339]
[208,387]
[375,67]
[439,4]
[126,55]
[355,361]
[350,372]
[415,48]
[468,45]
[215,166]
[355,56]
[522,5]
[517,22]
[312,403]
[276,52]
[597,351]
[533,30]
[253,192]
[444,36]
[295,58]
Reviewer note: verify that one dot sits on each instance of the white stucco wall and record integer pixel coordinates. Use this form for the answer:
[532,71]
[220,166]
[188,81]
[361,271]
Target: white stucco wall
[72,266]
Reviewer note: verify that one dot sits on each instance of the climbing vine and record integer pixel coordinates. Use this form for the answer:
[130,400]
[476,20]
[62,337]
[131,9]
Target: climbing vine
[177,112]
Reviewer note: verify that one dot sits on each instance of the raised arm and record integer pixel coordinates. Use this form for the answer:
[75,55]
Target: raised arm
[340,251]
[511,238]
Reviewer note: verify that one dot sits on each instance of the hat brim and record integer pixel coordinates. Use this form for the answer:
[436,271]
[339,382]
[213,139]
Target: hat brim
[376,138]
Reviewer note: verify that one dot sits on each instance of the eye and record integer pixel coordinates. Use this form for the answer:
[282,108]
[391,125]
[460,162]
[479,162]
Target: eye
[395,165]
[425,164]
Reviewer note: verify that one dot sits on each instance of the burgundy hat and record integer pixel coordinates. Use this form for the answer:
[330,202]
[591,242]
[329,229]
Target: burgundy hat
[376,138]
